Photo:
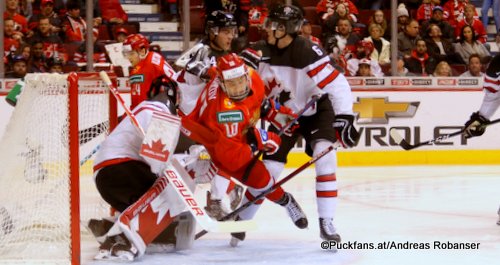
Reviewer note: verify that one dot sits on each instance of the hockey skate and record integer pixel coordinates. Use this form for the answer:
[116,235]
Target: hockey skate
[237,237]
[327,230]
[99,228]
[215,208]
[235,196]
[294,211]
[117,248]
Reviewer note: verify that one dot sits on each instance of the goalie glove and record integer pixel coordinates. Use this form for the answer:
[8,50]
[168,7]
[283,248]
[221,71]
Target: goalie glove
[345,131]
[199,165]
[475,126]
[251,57]
[279,116]
[262,140]
[200,64]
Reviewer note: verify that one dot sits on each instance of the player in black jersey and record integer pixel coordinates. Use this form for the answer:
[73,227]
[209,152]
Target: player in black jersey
[294,70]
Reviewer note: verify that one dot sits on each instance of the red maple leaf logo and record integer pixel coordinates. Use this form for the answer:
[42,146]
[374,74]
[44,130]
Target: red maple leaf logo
[271,85]
[155,151]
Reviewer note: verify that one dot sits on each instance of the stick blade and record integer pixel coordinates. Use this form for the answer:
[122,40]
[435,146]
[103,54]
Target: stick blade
[399,139]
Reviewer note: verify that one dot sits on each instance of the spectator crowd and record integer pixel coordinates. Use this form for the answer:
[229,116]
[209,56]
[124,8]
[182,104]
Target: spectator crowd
[434,37]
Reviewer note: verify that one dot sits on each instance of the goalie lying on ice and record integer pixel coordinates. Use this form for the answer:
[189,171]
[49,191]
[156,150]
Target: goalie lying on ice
[126,169]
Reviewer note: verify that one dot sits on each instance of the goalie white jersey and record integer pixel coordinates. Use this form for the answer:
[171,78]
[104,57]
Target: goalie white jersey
[126,142]
[303,69]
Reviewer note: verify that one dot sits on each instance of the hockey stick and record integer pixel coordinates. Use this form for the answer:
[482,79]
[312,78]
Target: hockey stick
[92,131]
[407,146]
[276,185]
[179,178]
[309,104]
[116,93]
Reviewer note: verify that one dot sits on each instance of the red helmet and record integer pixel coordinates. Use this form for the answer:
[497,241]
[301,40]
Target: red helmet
[136,42]
[231,67]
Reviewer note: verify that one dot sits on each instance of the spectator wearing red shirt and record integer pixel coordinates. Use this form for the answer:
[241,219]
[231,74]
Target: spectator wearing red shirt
[326,8]
[46,10]
[99,54]
[424,11]
[454,11]
[21,23]
[474,23]
[420,63]
[12,39]
[112,12]
[74,25]
[120,34]
[52,44]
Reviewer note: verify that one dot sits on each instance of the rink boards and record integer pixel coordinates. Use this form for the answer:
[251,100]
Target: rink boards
[420,108]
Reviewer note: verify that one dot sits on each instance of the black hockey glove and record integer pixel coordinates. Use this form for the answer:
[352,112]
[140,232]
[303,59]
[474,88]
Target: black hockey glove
[475,126]
[345,131]
[251,57]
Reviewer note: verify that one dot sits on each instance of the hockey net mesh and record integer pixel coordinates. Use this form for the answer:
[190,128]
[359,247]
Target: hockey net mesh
[34,169]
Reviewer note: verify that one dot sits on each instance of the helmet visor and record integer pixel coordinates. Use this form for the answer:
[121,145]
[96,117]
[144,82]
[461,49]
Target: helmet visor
[274,25]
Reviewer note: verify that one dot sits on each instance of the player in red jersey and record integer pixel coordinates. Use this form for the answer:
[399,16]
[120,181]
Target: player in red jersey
[147,65]
[224,122]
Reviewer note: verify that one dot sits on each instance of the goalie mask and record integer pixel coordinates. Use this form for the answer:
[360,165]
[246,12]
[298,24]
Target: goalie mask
[164,90]
[233,75]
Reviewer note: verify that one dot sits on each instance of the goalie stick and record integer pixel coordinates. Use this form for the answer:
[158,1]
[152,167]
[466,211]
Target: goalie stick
[233,214]
[407,146]
[116,93]
[309,104]
[179,185]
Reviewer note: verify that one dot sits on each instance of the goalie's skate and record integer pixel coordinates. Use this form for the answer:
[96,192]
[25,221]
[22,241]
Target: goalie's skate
[215,208]
[327,230]
[235,196]
[294,211]
[99,228]
[117,248]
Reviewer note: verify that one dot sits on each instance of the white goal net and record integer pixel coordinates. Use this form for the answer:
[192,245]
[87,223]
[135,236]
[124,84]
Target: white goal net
[45,167]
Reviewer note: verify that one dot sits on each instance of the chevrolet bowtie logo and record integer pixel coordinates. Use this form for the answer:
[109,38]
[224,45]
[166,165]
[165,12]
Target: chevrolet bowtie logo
[378,110]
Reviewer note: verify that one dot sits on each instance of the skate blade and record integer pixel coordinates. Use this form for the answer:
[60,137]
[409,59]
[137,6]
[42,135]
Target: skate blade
[124,256]
[234,242]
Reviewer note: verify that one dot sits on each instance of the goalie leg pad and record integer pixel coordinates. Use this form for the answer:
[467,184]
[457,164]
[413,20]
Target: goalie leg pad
[144,220]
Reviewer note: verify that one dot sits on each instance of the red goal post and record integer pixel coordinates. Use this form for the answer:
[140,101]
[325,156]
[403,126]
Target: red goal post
[47,186]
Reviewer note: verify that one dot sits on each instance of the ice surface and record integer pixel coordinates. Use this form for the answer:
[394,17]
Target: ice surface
[376,204]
